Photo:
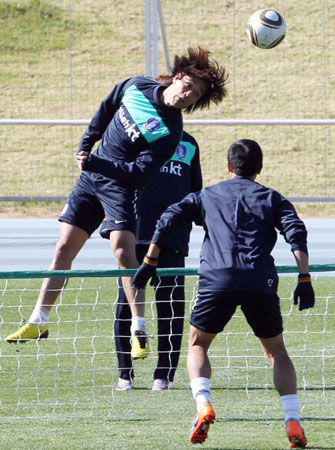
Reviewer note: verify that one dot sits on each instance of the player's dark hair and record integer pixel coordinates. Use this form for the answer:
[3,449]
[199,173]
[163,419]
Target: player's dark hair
[245,157]
[198,64]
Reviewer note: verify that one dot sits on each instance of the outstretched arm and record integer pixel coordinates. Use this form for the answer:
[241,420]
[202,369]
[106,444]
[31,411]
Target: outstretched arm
[188,210]
[294,231]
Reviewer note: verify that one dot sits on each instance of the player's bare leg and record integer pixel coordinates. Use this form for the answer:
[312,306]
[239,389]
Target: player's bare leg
[124,244]
[285,381]
[284,376]
[70,242]
[199,371]
[198,364]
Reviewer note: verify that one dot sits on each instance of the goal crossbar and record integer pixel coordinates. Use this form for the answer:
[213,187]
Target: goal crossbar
[173,271]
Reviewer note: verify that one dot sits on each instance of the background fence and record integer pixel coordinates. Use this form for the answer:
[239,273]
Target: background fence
[59,59]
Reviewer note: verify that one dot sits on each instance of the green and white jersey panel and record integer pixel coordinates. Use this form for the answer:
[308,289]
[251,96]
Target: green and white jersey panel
[184,153]
[144,114]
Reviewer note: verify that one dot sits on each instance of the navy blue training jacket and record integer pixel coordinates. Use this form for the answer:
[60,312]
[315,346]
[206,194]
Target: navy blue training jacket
[139,132]
[240,218]
[178,177]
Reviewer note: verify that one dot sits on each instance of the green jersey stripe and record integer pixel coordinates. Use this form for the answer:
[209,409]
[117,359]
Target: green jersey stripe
[145,116]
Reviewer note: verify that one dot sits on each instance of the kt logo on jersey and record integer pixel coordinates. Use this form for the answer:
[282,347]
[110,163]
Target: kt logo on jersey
[131,130]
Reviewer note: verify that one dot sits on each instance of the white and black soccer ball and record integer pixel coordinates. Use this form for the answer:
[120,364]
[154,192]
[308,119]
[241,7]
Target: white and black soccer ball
[266,28]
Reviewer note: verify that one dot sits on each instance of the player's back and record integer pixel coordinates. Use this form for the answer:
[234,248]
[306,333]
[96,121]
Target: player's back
[241,217]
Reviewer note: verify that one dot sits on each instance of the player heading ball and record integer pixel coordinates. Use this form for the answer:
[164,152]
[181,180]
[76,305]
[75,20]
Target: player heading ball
[138,127]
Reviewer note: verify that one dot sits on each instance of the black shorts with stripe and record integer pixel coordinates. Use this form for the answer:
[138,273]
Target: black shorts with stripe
[214,309]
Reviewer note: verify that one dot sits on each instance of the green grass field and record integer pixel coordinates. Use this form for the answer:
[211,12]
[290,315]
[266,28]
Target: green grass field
[59,393]
[59,59]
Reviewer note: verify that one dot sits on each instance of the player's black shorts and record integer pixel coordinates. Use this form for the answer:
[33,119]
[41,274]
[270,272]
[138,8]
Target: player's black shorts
[214,309]
[95,197]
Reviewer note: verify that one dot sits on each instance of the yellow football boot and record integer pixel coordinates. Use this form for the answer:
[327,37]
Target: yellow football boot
[28,332]
[139,345]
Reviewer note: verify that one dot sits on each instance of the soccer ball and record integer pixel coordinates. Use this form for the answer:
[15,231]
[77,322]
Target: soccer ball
[266,28]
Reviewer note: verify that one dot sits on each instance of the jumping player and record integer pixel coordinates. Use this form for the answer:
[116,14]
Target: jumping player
[177,178]
[139,125]
[240,218]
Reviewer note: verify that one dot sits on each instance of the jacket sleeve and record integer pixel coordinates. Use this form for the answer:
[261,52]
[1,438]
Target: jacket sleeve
[196,174]
[175,216]
[291,226]
[139,171]
[102,118]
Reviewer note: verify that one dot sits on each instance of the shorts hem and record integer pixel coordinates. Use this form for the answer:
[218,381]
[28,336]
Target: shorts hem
[69,222]
[268,337]
[200,328]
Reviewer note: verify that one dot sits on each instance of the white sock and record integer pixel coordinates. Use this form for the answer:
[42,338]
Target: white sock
[291,406]
[39,316]
[137,323]
[201,390]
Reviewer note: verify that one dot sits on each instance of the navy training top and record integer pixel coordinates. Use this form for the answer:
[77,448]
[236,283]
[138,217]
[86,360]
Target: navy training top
[240,218]
[177,177]
[139,133]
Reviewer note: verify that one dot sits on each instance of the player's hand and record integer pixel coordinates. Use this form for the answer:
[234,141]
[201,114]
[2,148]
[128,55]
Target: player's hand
[146,271]
[81,158]
[304,292]
[155,280]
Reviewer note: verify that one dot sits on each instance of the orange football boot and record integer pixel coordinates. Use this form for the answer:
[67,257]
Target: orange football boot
[201,423]
[295,434]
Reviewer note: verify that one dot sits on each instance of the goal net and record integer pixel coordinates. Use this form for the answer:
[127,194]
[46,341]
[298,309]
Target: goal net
[74,372]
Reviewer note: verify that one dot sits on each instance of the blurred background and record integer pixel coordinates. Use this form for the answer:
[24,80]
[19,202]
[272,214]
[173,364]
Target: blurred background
[61,58]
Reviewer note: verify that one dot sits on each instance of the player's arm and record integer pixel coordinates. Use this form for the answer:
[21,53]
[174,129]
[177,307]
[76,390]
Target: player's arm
[302,261]
[290,225]
[295,233]
[188,210]
[176,215]
[139,171]
[304,292]
[102,118]
[196,174]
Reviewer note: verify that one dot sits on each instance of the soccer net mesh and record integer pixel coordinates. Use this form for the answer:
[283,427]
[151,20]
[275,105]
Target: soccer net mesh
[74,372]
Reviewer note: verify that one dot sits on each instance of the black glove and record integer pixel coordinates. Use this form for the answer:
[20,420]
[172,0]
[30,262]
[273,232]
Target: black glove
[146,271]
[304,291]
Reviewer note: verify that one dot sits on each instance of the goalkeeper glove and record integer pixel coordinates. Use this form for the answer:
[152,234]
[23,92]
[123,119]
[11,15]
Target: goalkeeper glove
[146,271]
[304,291]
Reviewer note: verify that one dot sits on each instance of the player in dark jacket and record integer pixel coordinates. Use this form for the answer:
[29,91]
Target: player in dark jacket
[177,178]
[139,125]
[240,218]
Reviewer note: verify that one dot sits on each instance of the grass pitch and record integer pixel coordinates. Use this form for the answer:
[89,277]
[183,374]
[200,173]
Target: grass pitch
[60,393]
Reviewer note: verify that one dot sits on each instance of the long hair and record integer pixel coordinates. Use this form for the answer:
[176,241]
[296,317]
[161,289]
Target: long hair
[199,64]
